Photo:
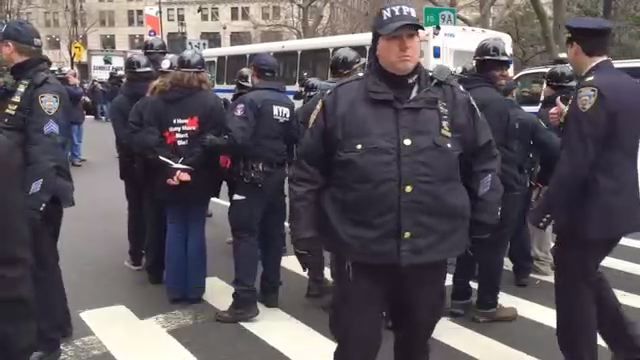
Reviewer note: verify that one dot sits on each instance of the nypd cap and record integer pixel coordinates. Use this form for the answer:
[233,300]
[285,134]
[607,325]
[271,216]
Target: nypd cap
[265,65]
[395,17]
[21,32]
[588,28]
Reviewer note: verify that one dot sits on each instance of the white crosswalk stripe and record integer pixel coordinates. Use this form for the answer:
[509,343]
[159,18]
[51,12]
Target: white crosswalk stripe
[124,336]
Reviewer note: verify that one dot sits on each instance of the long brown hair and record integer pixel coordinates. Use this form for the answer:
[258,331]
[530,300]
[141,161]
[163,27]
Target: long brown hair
[189,80]
[158,86]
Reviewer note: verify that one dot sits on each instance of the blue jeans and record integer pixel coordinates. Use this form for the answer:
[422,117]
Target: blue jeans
[186,251]
[76,142]
[103,110]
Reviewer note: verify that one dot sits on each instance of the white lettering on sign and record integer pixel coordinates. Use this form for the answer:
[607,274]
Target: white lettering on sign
[281,113]
[397,11]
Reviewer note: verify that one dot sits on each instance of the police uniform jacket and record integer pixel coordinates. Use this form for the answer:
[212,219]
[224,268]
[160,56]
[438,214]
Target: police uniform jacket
[16,292]
[35,119]
[176,121]
[400,181]
[594,192]
[262,125]
[131,92]
[532,139]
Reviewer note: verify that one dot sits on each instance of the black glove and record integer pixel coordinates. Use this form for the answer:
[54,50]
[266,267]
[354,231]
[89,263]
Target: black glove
[212,141]
[303,250]
[540,217]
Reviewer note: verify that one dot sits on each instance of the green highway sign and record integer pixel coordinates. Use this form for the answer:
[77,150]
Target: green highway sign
[434,16]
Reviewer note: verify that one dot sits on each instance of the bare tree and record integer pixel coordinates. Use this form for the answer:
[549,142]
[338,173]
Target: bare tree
[77,27]
[607,8]
[559,19]
[545,27]
[303,18]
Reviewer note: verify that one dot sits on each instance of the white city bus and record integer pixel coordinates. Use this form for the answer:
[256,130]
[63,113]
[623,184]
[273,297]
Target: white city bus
[449,45]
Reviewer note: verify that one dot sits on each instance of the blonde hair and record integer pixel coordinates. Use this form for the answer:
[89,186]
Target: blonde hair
[189,80]
[158,86]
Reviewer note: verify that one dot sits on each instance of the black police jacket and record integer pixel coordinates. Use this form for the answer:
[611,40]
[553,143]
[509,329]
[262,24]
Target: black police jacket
[533,140]
[174,124]
[16,291]
[594,192]
[130,93]
[36,120]
[495,108]
[262,125]
[399,182]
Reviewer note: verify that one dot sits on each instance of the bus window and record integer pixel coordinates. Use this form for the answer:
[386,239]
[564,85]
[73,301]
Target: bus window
[315,63]
[234,64]
[530,88]
[288,62]
[634,72]
[211,67]
[220,70]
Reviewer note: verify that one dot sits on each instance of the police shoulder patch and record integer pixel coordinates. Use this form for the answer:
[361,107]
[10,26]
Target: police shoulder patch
[586,97]
[315,113]
[49,103]
[238,110]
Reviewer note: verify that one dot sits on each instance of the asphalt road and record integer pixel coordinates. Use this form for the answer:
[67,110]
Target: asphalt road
[118,315]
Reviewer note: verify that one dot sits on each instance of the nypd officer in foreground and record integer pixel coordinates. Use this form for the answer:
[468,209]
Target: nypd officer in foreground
[17,315]
[345,62]
[35,116]
[262,133]
[593,196]
[408,170]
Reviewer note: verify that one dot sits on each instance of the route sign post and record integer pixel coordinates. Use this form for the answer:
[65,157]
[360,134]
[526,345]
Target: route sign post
[438,16]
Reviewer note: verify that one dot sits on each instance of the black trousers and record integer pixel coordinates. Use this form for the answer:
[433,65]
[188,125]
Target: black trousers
[585,303]
[257,215]
[520,243]
[488,255]
[414,297]
[155,231]
[52,310]
[136,227]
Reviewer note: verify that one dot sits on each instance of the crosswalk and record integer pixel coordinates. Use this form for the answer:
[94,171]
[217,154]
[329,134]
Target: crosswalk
[293,332]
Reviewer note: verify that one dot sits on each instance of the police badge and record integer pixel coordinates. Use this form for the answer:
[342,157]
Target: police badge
[587,96]
[49,103]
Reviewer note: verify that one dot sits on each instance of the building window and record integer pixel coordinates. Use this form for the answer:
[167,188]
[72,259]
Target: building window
[215,14]
[27,16]
[204,13]
[245,13]
[240,38]
[135,17]
[56,19]
[107,18]
[171,14]
[47,19]
[176,42]
[180,14]
[53,42]
[108,42]
[271,13]
[213,39]
[136,42]
[235,13]
[269,35]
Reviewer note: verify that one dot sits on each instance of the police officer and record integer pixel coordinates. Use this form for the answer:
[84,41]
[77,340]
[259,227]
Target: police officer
[407,168]
[155,49]
[345,62]
[139,74]
[492,63]
[593,195]
[17,317]
[36,115]
[561,84]
[537,149]
[262,131]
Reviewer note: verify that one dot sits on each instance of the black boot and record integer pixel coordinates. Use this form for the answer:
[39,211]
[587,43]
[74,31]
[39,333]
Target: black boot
[236,314]
[317,288]
[269,300]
